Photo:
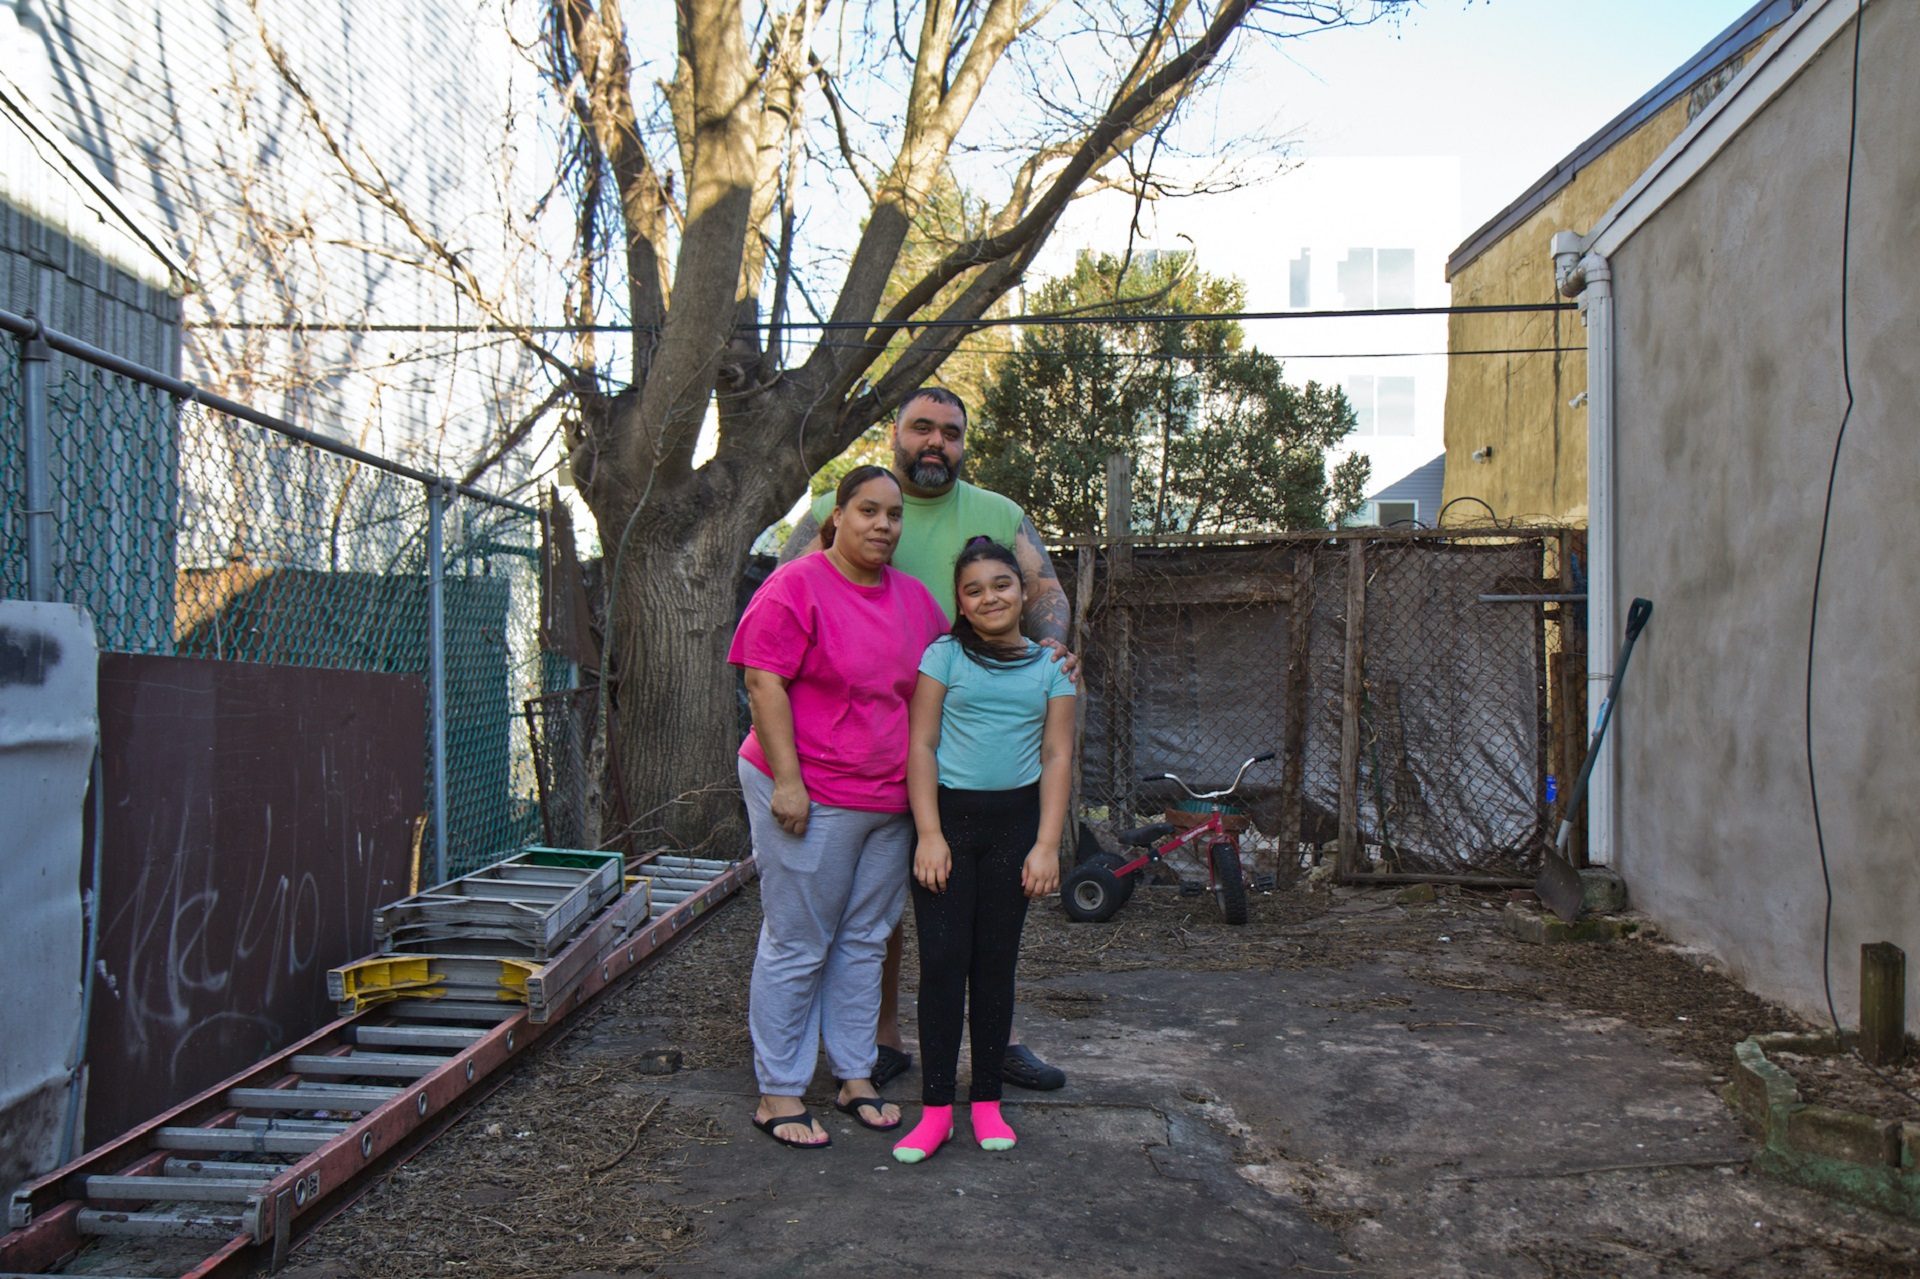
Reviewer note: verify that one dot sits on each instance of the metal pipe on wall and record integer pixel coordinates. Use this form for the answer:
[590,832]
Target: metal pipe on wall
[1602,560]
[437,492]
[1588,276]
[36,456]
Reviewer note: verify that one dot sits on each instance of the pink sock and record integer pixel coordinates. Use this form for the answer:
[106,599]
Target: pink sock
[989,1129]
[931,1133]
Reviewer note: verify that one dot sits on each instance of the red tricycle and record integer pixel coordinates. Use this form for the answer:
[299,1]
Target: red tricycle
[1101,884]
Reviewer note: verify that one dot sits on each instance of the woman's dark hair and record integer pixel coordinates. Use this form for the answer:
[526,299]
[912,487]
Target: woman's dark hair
[970,640]
[850,482]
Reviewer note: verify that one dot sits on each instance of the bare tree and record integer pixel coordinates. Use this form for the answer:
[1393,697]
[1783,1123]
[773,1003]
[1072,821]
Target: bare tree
[689,221]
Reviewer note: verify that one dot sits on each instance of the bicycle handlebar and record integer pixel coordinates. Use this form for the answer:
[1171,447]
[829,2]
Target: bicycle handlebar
[1212,794]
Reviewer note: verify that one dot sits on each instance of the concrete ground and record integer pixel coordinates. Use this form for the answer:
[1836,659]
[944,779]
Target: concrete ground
[1358,1087]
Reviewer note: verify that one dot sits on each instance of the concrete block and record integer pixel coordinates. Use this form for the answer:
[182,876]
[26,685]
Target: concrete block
[1549,930]
[1414,894]
[1844,1134]
[1602,890]
[1760,1089]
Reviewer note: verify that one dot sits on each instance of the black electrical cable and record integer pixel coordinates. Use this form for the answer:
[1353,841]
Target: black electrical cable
[1466,497]
[1826,522]
[862,326]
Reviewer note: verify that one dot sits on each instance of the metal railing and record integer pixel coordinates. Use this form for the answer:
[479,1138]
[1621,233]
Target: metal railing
[192,525]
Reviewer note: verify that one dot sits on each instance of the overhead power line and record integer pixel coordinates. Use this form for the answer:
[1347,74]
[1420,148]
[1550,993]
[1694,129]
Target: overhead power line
[859,326]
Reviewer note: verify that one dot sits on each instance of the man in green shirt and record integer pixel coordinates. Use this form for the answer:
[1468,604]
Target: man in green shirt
[942,512]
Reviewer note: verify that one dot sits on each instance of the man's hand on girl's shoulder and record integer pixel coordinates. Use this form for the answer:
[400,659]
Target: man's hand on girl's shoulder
[1069,660]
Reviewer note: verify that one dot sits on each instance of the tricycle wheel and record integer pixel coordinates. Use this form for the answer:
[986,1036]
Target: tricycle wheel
[1229,886]
[1113,862]
[1091,893]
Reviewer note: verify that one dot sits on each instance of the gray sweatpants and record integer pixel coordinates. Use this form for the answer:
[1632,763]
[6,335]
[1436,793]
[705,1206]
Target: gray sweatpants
[829,900]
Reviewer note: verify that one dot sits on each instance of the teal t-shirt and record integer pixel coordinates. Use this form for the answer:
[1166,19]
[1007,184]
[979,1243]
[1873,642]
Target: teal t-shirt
[992,719]
[933,530]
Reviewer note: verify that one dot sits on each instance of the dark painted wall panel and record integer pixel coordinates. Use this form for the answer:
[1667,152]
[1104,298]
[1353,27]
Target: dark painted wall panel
[255,817]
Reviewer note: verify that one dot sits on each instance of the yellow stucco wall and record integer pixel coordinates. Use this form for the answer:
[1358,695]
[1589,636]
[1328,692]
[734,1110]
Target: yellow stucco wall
[1518,406]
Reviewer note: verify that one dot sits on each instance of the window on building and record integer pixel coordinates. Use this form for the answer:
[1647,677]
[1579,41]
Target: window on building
[1300,280]
[1376,277]
[1394,277]
[1355,278]
[1393,406]
[1360,396]
[1389,513]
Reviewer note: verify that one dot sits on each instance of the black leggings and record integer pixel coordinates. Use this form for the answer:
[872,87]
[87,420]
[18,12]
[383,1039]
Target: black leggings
[970,937]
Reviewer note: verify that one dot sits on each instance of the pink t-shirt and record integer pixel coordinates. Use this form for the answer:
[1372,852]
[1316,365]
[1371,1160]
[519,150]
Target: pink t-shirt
[851,654]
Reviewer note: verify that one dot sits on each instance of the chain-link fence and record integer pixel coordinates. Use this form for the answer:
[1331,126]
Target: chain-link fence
[13,532]
[193,527]
[1402,681]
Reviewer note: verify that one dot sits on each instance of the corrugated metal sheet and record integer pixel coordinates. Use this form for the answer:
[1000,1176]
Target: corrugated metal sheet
[47,727]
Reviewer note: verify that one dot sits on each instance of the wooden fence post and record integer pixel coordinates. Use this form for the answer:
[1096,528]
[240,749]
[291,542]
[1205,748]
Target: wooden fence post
[1120,690]
[1883,1003]
[1351,854]
[1076,806]
[1293,750]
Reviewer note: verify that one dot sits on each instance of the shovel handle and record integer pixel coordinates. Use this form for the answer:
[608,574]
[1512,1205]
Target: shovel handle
[1637,614]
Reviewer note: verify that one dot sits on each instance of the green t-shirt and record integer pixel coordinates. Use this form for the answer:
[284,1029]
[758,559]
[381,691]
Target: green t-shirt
[935,529]
[992,718]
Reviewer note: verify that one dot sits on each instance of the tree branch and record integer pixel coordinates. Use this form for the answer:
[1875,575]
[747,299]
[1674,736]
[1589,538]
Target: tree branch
[603,104]
[382,193]
[515,434]
[1149,96]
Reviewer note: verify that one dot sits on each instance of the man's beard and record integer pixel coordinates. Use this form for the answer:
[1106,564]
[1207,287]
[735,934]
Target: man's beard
[930,472]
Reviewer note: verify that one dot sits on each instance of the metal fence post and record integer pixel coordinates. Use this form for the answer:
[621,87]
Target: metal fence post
[437,493]
[36,452]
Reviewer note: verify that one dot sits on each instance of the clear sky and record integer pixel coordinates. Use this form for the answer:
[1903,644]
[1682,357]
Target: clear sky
[1509,86]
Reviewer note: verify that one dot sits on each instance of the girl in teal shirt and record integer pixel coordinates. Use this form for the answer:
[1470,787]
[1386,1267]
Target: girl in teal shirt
[991,747]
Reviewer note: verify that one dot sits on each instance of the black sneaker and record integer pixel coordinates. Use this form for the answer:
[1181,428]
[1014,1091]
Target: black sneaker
[1024,1070]
[889,1064]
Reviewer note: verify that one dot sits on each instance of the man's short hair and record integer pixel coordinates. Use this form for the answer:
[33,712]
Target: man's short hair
[939,395]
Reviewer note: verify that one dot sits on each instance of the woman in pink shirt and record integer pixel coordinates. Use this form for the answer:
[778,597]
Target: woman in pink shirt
[831,647]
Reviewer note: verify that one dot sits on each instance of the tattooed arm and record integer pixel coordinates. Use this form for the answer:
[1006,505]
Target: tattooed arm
[1046,615]
[806,537]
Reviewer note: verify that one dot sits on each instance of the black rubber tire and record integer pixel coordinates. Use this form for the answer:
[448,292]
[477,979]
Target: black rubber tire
[1113,862]
[1229,885]
[1091,894]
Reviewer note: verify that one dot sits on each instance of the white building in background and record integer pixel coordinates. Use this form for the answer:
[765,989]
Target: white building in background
[1332,233]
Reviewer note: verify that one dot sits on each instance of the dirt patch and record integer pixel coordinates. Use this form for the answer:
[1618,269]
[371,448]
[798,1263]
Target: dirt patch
[1845,1082]
[578,1164]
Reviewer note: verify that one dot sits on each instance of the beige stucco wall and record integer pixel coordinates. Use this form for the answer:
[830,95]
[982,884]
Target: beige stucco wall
[1519,404]
[1729,396]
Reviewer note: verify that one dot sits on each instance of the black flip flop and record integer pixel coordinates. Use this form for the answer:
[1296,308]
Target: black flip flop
[889,1063]
[857,1108]
[767,1126]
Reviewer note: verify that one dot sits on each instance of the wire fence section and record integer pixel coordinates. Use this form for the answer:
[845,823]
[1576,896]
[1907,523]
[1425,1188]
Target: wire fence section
[1405,693]
[192,531]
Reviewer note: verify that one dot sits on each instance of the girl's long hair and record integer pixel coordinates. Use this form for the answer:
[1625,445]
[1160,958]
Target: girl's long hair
[970,640]
[841,496]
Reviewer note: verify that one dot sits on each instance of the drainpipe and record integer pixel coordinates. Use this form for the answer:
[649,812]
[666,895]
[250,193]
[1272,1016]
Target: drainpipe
[1589,277]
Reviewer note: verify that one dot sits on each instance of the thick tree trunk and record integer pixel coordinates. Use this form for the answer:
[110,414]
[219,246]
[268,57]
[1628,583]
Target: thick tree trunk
[675,702]
[675,588]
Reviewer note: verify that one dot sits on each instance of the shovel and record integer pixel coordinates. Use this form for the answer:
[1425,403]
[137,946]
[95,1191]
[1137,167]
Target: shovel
[1559,884]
